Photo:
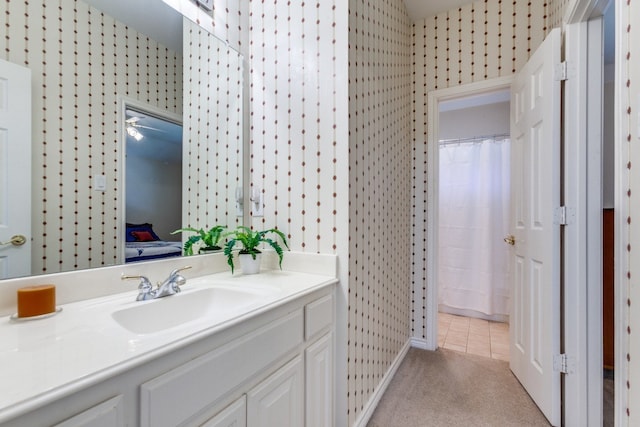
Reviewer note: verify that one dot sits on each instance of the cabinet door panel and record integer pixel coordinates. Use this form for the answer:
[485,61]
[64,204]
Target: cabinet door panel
[319,382]
[234,415]
[277,401]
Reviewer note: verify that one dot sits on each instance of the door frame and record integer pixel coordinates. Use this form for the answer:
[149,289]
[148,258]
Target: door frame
[433,129]
[583,391]
[125,102]
[583,236]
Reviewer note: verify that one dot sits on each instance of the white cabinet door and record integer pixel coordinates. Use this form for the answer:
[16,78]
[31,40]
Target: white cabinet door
[277,401]
[319,382]
[535,173]
[234,415]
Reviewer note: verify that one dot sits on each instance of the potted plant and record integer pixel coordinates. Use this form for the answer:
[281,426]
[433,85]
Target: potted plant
[209,239]
[250,255]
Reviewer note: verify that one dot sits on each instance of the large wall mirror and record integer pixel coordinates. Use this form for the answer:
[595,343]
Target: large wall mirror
[136,118]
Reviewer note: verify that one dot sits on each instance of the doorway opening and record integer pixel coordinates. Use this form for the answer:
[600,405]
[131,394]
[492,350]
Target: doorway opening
[473,211]
[152,183]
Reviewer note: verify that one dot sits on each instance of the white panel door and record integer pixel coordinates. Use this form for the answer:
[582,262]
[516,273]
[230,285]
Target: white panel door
[15,169]
[535,195]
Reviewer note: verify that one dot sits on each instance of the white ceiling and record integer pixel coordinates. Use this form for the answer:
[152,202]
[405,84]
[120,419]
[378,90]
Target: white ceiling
[419,9]
[495,97]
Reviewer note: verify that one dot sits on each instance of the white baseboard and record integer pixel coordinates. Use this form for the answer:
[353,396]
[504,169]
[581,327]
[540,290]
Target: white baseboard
[422,344]
[504,318]
[371,405]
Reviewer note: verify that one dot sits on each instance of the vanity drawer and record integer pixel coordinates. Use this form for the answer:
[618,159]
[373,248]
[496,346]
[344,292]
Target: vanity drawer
[317,316]
[176,396]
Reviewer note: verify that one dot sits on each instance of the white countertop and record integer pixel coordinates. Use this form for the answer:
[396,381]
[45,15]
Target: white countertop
[44,360]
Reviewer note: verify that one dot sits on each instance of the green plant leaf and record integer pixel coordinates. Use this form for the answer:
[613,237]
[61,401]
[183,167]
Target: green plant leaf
[188,245]
[282,236]
[276,247]
[228,248]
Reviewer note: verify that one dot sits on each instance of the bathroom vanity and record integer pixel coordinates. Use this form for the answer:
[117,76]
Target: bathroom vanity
[229,350]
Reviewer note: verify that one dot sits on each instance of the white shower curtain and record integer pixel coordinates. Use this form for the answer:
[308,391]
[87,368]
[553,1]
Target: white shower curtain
[474,219]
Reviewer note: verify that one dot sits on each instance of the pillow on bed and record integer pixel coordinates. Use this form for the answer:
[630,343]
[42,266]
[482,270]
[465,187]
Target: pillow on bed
[140,227]
[143,236]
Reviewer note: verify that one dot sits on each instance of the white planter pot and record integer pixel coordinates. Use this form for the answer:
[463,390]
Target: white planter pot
[248,264]
[202,251]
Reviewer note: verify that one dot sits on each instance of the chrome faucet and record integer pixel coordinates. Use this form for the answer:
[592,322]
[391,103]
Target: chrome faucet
[170,286]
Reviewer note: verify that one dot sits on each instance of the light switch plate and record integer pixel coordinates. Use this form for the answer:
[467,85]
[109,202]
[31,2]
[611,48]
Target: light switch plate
[99,183]
[257,207]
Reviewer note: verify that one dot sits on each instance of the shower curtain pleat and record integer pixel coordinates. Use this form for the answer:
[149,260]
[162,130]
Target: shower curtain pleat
[474,218]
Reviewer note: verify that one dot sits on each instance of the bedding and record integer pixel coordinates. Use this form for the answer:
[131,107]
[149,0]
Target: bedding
[142,244]
[138,228]
[156,249]
[143,236]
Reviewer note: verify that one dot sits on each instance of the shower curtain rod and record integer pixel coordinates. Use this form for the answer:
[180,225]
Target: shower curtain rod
[473,138]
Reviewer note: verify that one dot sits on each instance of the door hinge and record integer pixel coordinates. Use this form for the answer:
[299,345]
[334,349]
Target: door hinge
[564,215]
[564,364]
[561,72]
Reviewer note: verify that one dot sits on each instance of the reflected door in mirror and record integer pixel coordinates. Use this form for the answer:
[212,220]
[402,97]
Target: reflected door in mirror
[15,169]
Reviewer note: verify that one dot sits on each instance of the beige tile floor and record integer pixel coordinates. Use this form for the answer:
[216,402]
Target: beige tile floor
[474,336]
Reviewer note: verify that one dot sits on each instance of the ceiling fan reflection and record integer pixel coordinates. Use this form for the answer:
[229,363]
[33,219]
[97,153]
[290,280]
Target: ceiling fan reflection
[133,126]
[133,122]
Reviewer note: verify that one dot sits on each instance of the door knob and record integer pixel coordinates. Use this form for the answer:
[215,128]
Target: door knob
[510,239]
[17,240]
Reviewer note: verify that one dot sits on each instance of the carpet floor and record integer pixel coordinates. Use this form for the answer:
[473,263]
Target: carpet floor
[448,388]
[608,400]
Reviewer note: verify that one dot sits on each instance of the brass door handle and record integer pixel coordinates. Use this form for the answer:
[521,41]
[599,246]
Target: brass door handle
[17,240]
[510,239]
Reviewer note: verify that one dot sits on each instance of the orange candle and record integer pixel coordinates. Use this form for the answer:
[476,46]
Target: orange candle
[36,300]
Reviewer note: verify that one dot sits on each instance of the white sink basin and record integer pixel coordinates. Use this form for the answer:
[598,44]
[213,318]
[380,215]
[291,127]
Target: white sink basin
[146,317]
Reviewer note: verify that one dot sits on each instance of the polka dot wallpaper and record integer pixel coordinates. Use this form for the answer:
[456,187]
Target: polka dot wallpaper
[212,125]
[556,11]
[293,121]
[380,139]
[81,60]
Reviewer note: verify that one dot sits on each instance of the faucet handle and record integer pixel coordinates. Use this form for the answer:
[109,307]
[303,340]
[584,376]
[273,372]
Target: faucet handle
[127,277]
[178,270]
[145,287]
[177,279]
